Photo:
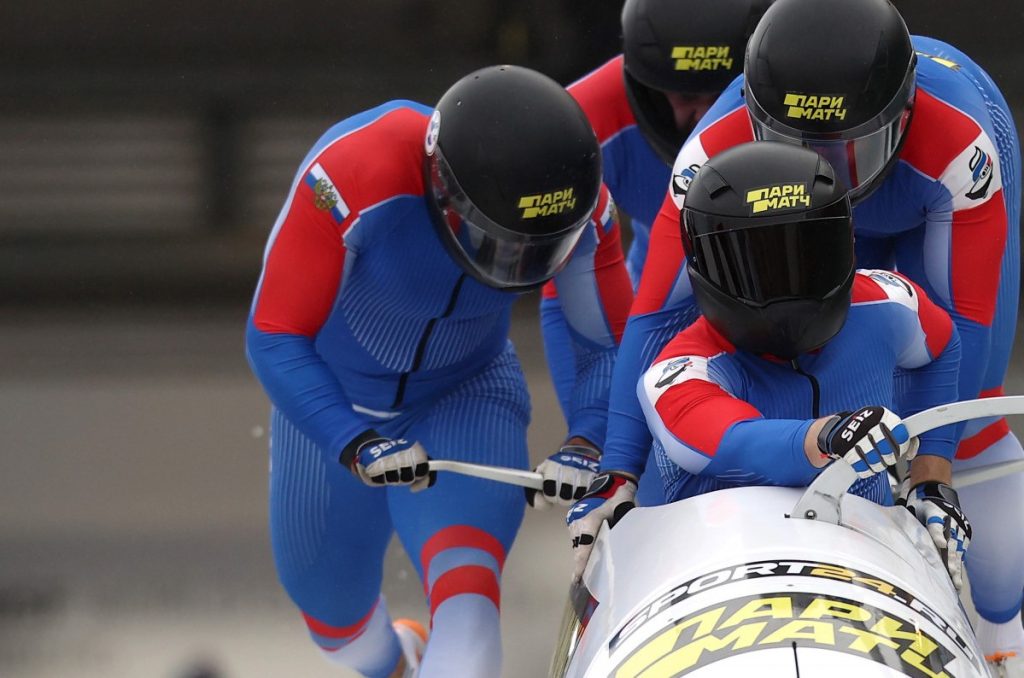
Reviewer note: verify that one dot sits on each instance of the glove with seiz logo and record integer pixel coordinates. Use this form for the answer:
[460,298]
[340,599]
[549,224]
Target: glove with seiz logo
[870,439]
[610,496]
[379,461]
[937,506]
[567,475]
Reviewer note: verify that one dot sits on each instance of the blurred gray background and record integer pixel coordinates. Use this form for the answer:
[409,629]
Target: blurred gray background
[144,151]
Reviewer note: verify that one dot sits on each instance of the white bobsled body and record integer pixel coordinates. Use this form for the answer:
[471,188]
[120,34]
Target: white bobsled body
[726,585]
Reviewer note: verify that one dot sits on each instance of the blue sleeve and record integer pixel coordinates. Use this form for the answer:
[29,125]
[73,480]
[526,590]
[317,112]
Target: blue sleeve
[589,408]
[764,452]
[628,440]
[300,384]
[935,383]
[595,296]
[558,351]
[974,348]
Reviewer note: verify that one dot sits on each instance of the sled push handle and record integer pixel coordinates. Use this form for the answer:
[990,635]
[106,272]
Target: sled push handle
[823,498]
[510,476]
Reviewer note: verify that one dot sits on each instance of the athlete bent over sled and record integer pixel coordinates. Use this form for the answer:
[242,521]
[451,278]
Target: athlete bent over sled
[791,364]
[643,105]
[926,142]
[380,333]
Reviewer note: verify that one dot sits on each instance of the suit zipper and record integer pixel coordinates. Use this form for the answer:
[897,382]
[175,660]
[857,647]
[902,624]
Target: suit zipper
[815,389]
[421,347]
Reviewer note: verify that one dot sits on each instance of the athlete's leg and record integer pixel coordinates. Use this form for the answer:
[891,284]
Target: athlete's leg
[996,511]
[329,533]
[458,532]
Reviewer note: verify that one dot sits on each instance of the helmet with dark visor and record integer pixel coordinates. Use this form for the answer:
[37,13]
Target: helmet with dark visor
[513,175]
[768,260]
[495,255]
[768,237]
[841,82]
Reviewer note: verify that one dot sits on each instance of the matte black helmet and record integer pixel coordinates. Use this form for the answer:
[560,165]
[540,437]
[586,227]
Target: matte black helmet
[837,76]
[768,234]
[513,170]
[691,47]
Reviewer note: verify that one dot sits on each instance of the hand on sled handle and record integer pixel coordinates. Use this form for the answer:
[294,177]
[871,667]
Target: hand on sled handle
[567,474]
[937,506]
[869,439]
[610,496]
[379,461]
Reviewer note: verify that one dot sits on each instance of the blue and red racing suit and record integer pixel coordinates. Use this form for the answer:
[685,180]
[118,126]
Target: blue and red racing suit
[724,417]
[361,320]
[947,216]
[636,178]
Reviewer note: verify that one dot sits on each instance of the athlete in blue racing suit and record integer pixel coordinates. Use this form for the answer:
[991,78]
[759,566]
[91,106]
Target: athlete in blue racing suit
[678,56]
[942,206]
[791,364]
[379,330]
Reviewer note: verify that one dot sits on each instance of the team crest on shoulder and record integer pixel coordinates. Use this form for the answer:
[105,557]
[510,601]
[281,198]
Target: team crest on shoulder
[681,181]
[324,195]
[886,278]
[981,172]
[672,370]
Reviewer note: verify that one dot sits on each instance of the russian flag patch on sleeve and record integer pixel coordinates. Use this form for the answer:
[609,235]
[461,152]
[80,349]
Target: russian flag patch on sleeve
[325,196]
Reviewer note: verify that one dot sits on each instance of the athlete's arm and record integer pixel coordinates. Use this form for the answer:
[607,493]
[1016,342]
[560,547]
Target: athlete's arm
[965,232]
[302,271]
[595,294]
[706,430]
[663,306]
[664,303]
[928,351]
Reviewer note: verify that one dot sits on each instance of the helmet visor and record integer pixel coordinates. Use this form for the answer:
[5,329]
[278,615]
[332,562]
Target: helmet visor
[857,162]
[762,264]
[498,256]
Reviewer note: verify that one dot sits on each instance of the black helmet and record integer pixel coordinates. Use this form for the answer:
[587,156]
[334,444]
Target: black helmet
[836,76]
[768,235]
[692,48]
[514,171]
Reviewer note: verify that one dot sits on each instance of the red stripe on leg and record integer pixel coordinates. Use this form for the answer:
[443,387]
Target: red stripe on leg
[327,631]
[462,580]
[460,536]
[983,439]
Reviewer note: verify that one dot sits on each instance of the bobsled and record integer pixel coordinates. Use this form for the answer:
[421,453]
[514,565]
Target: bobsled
[767,581]
[770,581]
[775,581]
